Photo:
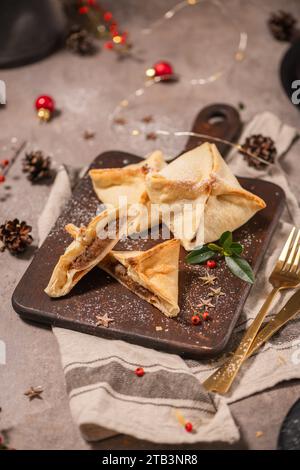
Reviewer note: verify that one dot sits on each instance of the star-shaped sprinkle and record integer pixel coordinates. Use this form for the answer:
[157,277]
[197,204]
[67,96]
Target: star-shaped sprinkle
[216,292]
[205,303]
[88,135]
[120,121]
[151,136]
[34,392]
[104,320]
[147,119]
[208,280]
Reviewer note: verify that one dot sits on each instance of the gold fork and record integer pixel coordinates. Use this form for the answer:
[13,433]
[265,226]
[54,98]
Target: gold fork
[285,275]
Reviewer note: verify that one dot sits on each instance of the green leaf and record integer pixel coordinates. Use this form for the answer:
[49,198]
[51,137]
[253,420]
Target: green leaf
[236,248]
[226,240]
[199,255]
[240,268]
[215,247]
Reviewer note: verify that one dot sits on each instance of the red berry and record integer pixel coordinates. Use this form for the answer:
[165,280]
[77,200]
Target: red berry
[109,45]
[46,102]
[211,263]
[92,3]
[2,178]
[4,163]
[163,68]
[188,427]
[83,10]
[205,316]
[107,16]
[139,371]
[196,319]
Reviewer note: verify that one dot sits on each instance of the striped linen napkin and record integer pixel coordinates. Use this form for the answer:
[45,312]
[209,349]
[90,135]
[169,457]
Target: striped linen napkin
[107,398]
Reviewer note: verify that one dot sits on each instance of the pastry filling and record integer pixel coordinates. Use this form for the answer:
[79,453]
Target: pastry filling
[120,272]
[90,253]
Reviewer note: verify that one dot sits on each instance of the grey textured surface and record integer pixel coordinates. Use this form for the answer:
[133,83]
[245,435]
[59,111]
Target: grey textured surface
[86,90]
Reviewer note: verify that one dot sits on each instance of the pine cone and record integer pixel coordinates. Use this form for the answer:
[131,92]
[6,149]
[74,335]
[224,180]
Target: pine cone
[14,236]
[37,166]
[282,25]
[262,147]
[80,42]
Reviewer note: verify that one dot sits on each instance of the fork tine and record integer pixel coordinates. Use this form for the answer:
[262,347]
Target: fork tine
[296,264]
[293,252]
[287,246]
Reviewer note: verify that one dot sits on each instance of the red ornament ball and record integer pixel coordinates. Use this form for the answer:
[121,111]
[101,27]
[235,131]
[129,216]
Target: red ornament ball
[188,427]
[196,319]
[4,163]
[45,102]
[211,263]
[163,68]
[139,371]
[2,178]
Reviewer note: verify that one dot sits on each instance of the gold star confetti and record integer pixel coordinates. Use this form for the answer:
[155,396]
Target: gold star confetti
[259,434]
[208,279]
[151,136]
[34,392]
[88,135]
[147,119]
[216,292]
[104,320]
[120,121]
[205,303]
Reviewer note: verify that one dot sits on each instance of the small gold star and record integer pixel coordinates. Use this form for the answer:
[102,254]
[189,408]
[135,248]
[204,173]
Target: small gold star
[34,392]
[205,303]
[216,292]
[208,279]
[104,320]
[120,121]
[147,119]
[88,135]
[151,136]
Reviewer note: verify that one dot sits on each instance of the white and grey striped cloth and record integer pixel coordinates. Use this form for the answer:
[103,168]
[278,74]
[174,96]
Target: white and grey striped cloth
[107,398]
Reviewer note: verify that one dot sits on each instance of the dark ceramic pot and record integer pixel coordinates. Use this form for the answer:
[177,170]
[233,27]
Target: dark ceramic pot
[29,30]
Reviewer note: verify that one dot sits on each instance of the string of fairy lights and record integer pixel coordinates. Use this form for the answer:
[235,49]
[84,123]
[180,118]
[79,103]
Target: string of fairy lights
[152,79]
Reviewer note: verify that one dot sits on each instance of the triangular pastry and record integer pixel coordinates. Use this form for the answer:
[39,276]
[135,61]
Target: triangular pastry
[90,245]
[205,197]
[111,183]
[151,274]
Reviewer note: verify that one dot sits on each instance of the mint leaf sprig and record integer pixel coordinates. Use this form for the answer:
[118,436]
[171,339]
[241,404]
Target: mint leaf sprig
[230,250]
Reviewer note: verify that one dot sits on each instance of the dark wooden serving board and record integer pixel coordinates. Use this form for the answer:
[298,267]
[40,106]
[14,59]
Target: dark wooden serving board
[135,319]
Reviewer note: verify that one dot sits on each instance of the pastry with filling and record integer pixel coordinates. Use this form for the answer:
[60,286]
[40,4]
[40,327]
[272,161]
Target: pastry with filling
[90,245]
[204,197]
[151,275]
[111,183]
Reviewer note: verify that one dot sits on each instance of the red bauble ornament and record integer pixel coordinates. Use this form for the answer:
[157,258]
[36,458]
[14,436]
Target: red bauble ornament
[139,372]
[45,101]
[211,263]
[4,163]
[45,106]
[188,427]
[162,69]
[2,178]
